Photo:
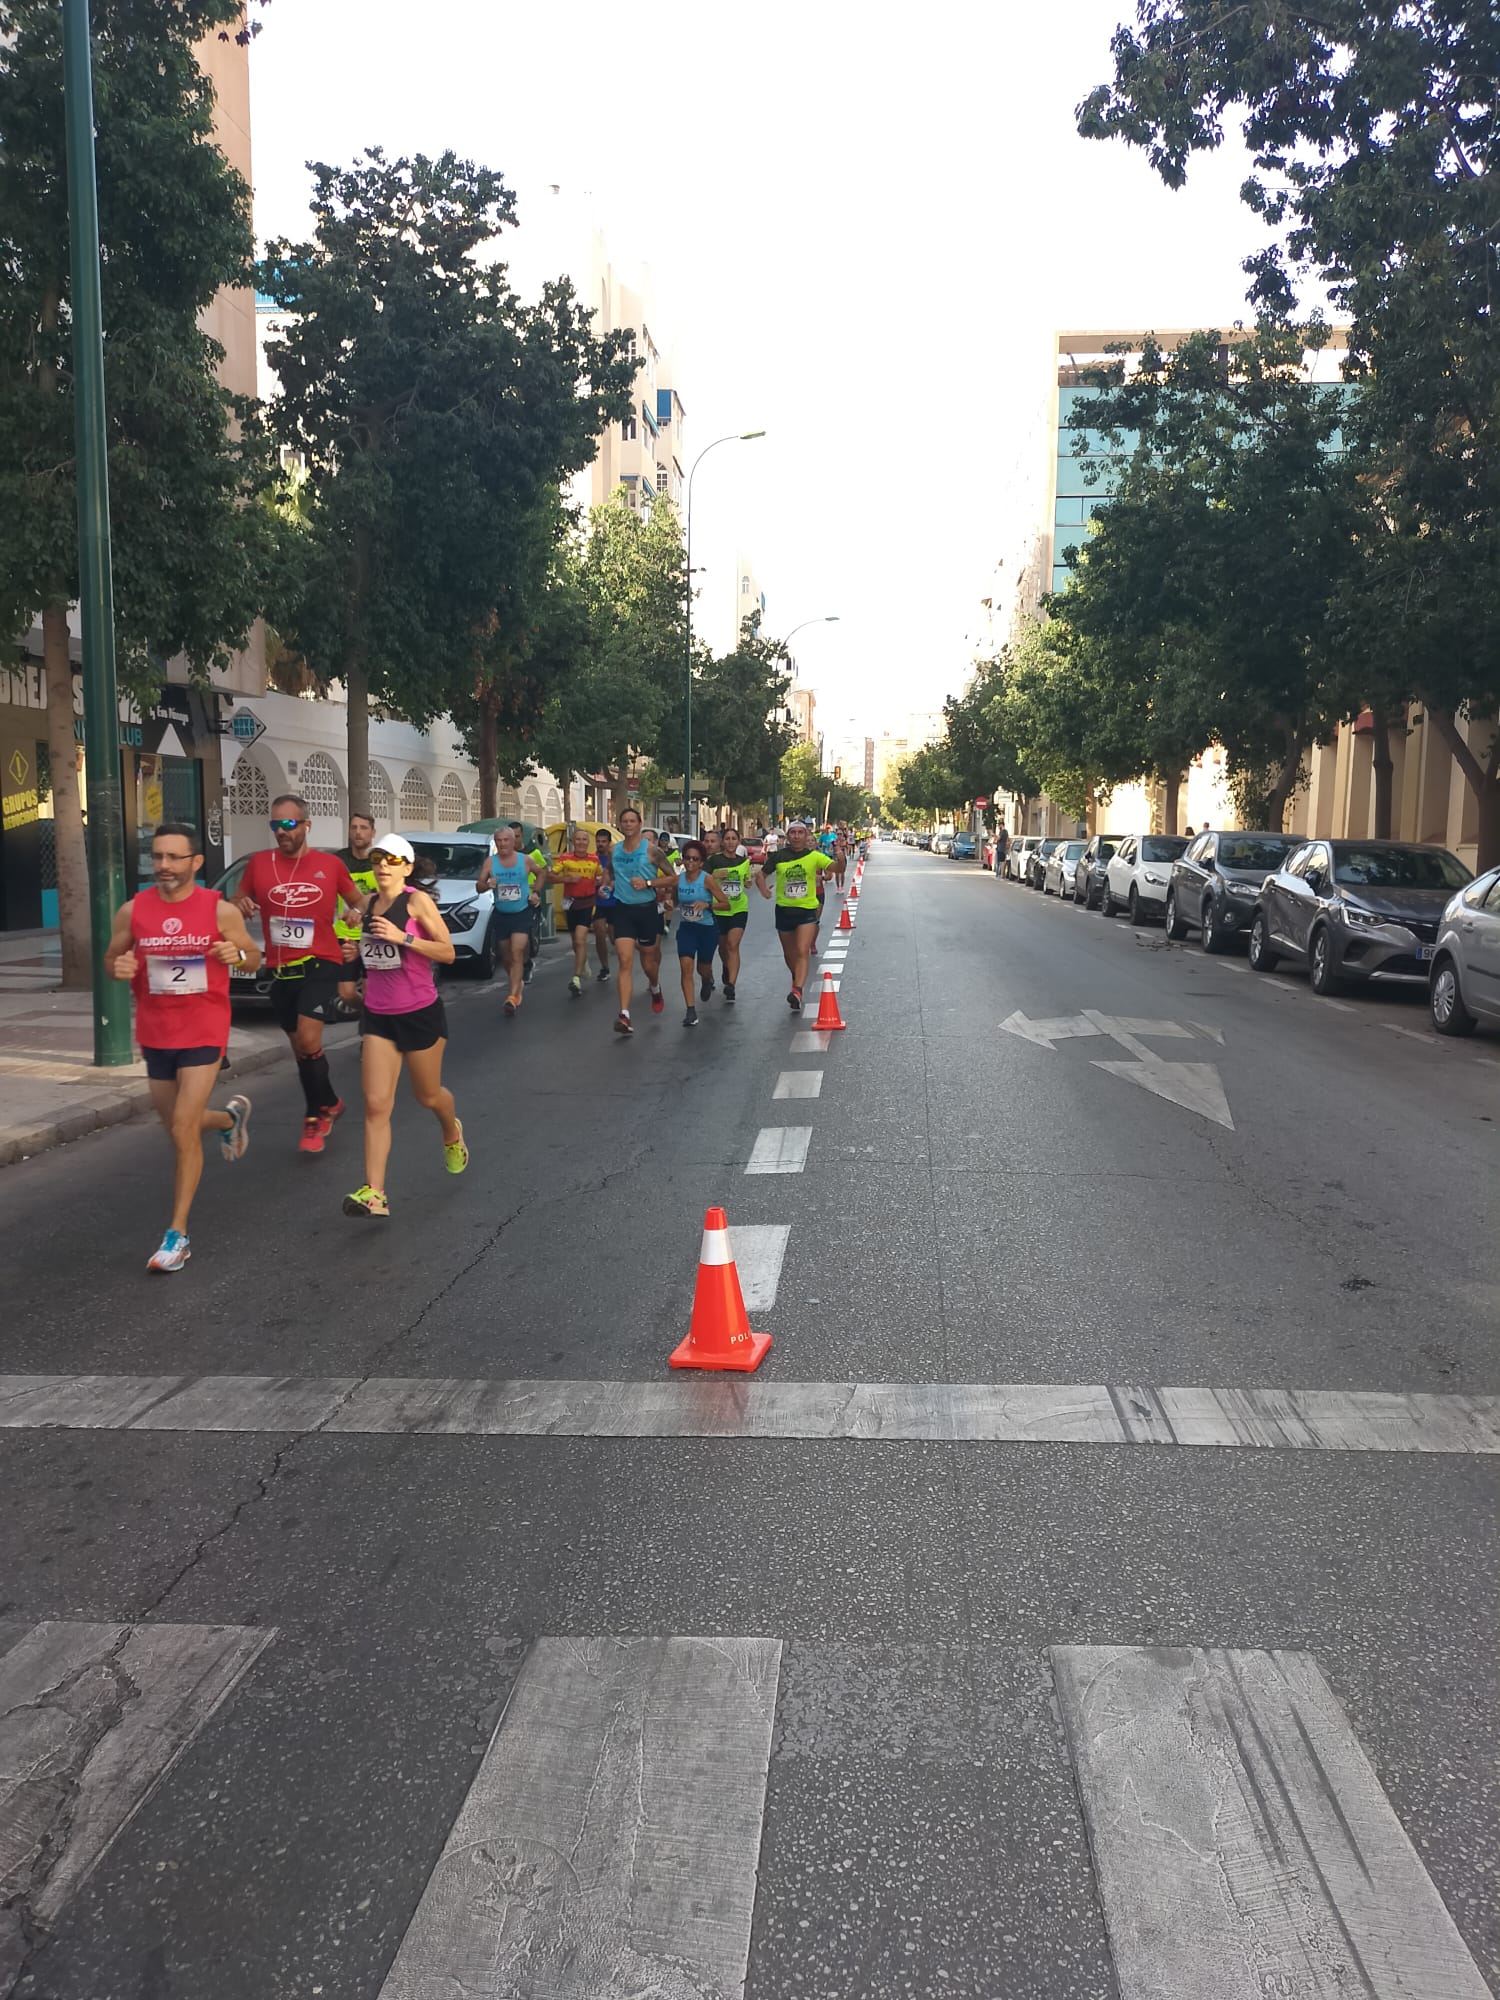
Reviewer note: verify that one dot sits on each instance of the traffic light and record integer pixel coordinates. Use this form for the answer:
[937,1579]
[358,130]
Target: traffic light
[838,774]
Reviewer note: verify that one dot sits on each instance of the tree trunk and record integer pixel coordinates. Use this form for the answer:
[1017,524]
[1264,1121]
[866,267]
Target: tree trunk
[67,803]
[357,717]
[489,759]
[1171,785]
[1383,769]
[1483,781]
[1281,790]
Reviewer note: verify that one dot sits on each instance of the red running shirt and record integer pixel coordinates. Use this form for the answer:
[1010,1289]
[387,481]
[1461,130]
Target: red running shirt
[297,902]
[181,994]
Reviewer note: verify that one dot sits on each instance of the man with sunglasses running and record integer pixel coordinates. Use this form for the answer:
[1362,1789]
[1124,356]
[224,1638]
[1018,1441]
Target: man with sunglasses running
[298,891]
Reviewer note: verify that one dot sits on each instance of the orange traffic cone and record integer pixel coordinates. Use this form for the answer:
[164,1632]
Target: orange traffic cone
[828,1007]
[846,922]
[720,1335]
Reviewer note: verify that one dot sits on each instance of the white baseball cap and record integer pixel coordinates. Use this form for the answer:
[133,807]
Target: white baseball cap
[396,845]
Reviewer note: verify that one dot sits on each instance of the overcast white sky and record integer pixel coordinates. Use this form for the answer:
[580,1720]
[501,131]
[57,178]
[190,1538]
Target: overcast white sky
[863,229]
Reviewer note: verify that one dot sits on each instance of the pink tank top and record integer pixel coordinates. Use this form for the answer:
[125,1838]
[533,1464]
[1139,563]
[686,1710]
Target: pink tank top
[397,981]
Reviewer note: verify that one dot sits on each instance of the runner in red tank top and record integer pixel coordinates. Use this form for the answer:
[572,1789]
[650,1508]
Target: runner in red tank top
[175,943]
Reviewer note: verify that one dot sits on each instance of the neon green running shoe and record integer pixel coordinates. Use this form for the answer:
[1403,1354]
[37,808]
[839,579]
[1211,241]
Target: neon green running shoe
[367,1201]
[456,1156]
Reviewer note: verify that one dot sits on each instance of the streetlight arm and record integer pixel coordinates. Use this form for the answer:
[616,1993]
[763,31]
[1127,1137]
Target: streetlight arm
[729,437]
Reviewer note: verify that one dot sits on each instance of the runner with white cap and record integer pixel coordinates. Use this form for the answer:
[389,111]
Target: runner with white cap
[402,938]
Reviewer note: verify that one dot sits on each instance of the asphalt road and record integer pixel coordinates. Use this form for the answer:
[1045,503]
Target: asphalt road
[252,1668]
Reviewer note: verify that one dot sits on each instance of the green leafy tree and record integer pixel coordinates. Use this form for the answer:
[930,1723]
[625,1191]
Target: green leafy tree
[436,415]
[1203,595]
[1376,144]
[189,555]
[801,778]
[612,696]
[738,740]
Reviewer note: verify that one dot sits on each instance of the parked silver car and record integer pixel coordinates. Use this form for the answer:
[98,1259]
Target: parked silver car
[1037,859]
[1057,876]
[1465,985]
[1355,909]
[1215,884]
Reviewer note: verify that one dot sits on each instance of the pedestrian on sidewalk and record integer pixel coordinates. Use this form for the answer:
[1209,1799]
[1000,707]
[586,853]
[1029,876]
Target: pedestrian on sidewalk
[402,938]
[298,891]
[174,943]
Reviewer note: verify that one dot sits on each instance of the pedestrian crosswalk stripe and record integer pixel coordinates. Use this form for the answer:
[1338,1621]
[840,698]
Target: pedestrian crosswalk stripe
[812,1041]
[609,1843]
[77,1769]
[1242,1842]
[759,1251]
[799,1083]
[976,1413]
[779,1149]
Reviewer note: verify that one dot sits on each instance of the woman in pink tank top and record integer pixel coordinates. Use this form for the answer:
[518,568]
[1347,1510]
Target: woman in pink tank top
[402,938]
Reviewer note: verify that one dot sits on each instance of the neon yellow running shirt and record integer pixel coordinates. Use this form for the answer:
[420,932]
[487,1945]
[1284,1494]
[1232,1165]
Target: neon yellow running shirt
[797,879]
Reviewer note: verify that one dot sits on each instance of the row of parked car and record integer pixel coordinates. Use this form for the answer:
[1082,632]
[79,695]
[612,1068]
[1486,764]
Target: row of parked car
[1349,911]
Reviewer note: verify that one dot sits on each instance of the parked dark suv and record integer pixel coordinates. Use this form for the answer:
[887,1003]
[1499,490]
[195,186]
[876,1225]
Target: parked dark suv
[1215,885]
[1355,909]
[1088,871]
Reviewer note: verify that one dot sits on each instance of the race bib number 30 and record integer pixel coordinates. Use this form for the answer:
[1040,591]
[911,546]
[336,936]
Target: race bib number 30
[176,975]
[290,933]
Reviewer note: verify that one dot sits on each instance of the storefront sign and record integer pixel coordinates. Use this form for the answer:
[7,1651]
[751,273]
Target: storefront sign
[20,804]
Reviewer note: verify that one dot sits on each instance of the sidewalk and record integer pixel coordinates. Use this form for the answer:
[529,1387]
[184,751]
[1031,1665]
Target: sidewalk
[50,1091]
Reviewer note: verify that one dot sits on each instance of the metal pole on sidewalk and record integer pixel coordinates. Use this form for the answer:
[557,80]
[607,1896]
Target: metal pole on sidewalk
[101,708]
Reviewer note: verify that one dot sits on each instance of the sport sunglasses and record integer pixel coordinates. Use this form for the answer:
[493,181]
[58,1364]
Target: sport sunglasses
[285,825]
[379,855]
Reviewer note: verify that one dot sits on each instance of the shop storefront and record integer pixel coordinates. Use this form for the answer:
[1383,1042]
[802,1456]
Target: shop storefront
[169,769]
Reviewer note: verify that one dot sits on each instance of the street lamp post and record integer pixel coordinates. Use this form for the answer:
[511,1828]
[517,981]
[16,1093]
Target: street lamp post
[101,708]
[730,437]
[829,618]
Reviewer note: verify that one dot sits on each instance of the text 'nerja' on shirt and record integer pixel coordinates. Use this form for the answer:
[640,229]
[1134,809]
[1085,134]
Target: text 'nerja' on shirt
[629,862]
[510,883]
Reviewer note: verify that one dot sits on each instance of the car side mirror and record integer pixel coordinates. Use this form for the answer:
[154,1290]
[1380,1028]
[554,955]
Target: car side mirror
[1316,880]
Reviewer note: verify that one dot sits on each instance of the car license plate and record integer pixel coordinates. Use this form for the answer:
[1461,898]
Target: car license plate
[1424,952]
[239,972]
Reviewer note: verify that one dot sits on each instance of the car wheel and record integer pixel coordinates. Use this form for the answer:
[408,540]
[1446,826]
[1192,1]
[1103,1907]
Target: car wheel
[1321,976]
[1090,899]
[1262,957]
[1449,1014]
[1107,904]
[1137,914]
[1214,939]
[484,963]
[1176,929]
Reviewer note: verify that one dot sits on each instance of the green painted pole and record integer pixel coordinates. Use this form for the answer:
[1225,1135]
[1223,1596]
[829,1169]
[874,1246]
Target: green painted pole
[101,707]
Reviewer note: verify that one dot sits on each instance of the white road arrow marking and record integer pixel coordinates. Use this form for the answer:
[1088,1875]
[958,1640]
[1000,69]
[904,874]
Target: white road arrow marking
[1195,1086]
[1045,1033]
[1192,1086]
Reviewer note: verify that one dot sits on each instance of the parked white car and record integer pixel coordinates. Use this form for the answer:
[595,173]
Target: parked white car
[1015,859]
[1057,877]
[1138,875]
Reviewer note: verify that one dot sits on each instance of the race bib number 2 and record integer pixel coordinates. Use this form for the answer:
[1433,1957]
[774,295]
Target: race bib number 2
[176,975]
[290,933]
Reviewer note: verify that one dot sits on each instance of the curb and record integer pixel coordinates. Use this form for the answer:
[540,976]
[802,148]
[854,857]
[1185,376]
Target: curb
[133,1099]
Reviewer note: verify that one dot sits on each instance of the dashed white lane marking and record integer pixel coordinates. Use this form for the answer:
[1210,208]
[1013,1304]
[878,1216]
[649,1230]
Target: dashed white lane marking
[610,1841]
[811,1041]
[779,1149]
[1411,1034]
[1242,1843]
[86,1762]
[976,1413]
[759,1251]
[799,1083]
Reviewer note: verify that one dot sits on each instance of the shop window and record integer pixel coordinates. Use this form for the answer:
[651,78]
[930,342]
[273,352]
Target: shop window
[452,806]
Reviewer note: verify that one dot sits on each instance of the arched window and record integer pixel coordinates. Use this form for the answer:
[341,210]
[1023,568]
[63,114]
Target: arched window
[476,802]
[416,800]
[382,799]
[452,806]
[249,795]
[319,783]
[531,803]
[553,806]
